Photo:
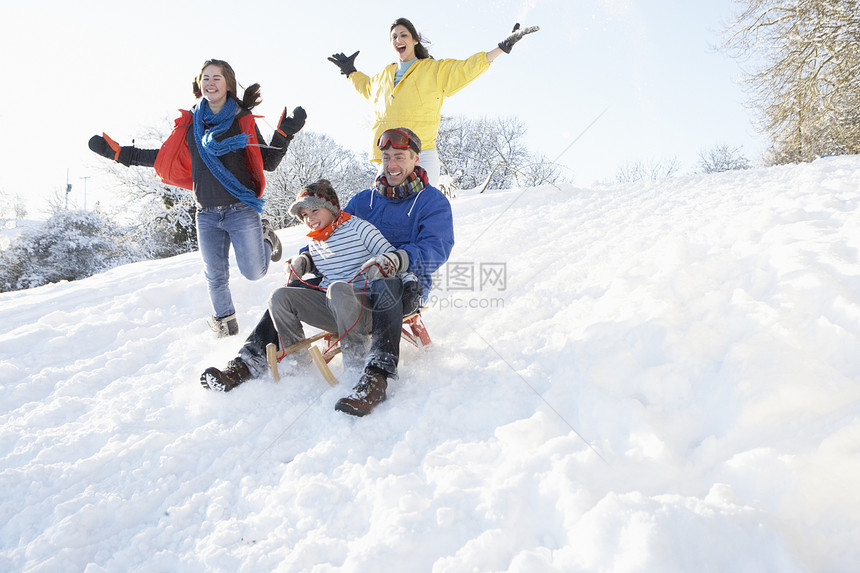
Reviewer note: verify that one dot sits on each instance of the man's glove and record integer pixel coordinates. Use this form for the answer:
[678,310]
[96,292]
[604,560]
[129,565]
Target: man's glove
[386,265]
[516,36]
[290,125]
[346,64]
[297,267]
[107,147]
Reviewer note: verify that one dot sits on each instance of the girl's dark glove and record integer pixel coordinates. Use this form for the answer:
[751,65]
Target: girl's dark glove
[346,64]
[516,36]
[290,125]
[107,147]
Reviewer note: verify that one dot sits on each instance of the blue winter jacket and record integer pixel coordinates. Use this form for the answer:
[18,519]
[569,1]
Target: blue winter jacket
[420,224]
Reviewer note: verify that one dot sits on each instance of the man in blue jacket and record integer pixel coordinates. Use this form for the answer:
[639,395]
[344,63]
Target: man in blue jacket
[416,219]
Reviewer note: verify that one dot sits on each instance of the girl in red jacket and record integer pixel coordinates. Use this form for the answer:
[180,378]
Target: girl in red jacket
[217,151]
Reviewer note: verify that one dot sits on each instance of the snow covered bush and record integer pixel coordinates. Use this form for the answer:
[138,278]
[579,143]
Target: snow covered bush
[166,224]
[70,245]
[162,217]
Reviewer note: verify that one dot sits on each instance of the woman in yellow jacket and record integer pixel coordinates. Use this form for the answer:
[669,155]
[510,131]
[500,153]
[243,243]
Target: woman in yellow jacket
[409,92]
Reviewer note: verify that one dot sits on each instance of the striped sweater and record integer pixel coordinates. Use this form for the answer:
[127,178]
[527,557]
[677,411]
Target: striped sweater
[340,257]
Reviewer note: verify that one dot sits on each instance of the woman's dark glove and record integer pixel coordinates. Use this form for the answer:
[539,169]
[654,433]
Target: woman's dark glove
[290,125]
[346,64]
[107,147]
[516,36]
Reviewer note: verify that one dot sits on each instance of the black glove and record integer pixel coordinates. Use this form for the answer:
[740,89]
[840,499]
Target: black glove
[412,293]
[346,64]
[516,36]
[290,125]
[107,147]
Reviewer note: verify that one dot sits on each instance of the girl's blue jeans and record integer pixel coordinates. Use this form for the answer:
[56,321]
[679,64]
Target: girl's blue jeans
[218,228]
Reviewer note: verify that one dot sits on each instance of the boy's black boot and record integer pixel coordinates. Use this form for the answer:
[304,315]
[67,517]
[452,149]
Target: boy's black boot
[224,381]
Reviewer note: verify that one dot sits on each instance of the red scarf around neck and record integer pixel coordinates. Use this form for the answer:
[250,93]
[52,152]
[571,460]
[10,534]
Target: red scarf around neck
[325,232]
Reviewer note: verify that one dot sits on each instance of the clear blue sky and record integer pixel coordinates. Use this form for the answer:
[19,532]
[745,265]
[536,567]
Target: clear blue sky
[76,69]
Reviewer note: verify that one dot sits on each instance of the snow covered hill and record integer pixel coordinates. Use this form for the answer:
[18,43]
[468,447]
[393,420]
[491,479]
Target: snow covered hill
[651,377]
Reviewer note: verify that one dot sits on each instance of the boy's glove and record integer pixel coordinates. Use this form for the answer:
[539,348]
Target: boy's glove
[297,267]
[346,64]
[107,147]
[516,36]
[386,265]
[291,124]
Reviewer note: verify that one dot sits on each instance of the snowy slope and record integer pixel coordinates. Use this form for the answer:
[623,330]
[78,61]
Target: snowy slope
[651,377]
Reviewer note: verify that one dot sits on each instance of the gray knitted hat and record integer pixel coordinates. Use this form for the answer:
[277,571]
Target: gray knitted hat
[315,196]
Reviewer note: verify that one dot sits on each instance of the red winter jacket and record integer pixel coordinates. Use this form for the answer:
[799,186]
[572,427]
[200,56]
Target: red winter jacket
[173,162]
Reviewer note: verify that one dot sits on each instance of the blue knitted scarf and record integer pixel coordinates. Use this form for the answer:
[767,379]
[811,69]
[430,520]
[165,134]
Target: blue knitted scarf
[211,150]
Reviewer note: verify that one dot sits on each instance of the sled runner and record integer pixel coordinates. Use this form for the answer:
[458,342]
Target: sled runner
[412,330]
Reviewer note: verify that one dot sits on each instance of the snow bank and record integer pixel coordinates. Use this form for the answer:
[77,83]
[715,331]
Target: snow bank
[649,377]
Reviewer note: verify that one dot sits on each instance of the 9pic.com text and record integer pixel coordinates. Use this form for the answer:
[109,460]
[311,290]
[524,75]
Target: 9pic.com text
[446,302]
[454,280]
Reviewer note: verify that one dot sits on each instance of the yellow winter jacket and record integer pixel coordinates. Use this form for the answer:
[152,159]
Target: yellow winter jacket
[416,101]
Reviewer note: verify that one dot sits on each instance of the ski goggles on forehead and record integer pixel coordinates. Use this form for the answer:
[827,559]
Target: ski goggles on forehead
[397,139]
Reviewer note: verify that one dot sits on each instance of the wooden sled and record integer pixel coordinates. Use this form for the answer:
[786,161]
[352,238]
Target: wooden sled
[323,347]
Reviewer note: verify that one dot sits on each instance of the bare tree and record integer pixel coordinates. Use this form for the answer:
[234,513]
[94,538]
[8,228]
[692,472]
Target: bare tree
[805,74]
[722,158]
[4,208]
[490,153]
[314,156]
[19,207]
[13,205]
[633,171]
